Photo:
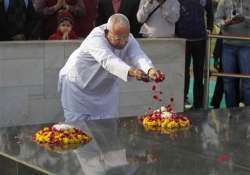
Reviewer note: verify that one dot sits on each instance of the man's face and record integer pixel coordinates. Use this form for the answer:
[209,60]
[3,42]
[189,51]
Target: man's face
[118,37]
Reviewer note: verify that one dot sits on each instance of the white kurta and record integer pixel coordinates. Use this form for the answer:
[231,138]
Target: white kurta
[89,81]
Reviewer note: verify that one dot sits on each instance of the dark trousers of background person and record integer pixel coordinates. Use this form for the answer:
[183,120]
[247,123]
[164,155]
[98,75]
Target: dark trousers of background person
[236,60]
[219,91]
[197,51]
[219,87]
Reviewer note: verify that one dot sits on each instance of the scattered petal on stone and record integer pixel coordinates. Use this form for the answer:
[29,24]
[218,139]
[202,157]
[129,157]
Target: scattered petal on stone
[153,88]
[155,97]
[222,158]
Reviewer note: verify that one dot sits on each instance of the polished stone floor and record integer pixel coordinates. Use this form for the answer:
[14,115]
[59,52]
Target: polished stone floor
[217,144]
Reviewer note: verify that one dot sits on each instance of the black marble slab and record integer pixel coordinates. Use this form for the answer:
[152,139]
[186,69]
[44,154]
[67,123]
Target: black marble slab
[218,143]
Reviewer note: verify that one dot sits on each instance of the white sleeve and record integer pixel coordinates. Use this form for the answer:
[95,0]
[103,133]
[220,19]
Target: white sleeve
[171,11]
[99,49]
[144,10]
[137,57]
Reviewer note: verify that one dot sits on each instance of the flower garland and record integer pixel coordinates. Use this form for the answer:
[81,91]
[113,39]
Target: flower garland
[164,120]
[60,148]
[60,139]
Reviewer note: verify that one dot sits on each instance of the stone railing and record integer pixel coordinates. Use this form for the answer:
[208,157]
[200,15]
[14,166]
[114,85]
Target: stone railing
[29,73]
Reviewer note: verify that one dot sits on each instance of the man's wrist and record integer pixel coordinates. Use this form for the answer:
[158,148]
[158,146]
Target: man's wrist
[131,72]
[150,70]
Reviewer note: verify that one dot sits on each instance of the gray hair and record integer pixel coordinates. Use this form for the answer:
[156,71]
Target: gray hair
[117,19]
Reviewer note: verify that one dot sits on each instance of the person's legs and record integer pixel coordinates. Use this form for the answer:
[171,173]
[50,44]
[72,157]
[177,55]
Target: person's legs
[187,67]
[244,65]
[198,53]
[229,64]
[218,93]
[219,87]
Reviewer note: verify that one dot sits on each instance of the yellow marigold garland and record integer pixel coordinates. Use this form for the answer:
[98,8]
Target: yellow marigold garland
[164,120]
[61,139]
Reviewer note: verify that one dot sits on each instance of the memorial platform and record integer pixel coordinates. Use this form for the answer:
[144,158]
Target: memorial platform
[218,143]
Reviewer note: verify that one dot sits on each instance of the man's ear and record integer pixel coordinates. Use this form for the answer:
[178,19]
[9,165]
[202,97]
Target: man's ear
[106,31]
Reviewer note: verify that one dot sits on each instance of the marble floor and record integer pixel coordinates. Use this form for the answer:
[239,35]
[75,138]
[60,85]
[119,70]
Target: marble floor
[218,143]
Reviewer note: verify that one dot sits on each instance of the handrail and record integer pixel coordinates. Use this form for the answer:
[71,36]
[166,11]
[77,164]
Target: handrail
[207,73]
[229,75]
[243,37]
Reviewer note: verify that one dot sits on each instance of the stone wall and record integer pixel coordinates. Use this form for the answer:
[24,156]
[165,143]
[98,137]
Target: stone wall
[29,72]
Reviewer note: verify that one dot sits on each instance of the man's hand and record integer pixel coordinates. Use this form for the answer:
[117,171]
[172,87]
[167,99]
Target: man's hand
[138,74]
[156,75]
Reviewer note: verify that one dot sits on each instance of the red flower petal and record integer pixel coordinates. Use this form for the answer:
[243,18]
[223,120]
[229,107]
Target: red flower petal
[222,158]
[153,88]
[155,97]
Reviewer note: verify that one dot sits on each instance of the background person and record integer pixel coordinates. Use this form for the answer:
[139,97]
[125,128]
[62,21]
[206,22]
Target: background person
[233,17]
[158,17]
[48,10]
[65,27]
[3,29]
[87,22]
[18,19]
[194,26]
[129,8]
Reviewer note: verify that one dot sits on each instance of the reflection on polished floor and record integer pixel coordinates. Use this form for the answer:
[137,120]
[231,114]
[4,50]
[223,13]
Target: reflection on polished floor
[217,144]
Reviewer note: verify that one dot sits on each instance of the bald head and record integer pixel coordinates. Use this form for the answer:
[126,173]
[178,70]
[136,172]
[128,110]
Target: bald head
[117,20]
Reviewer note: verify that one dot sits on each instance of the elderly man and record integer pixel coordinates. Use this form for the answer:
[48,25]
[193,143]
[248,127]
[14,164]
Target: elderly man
[89,83]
